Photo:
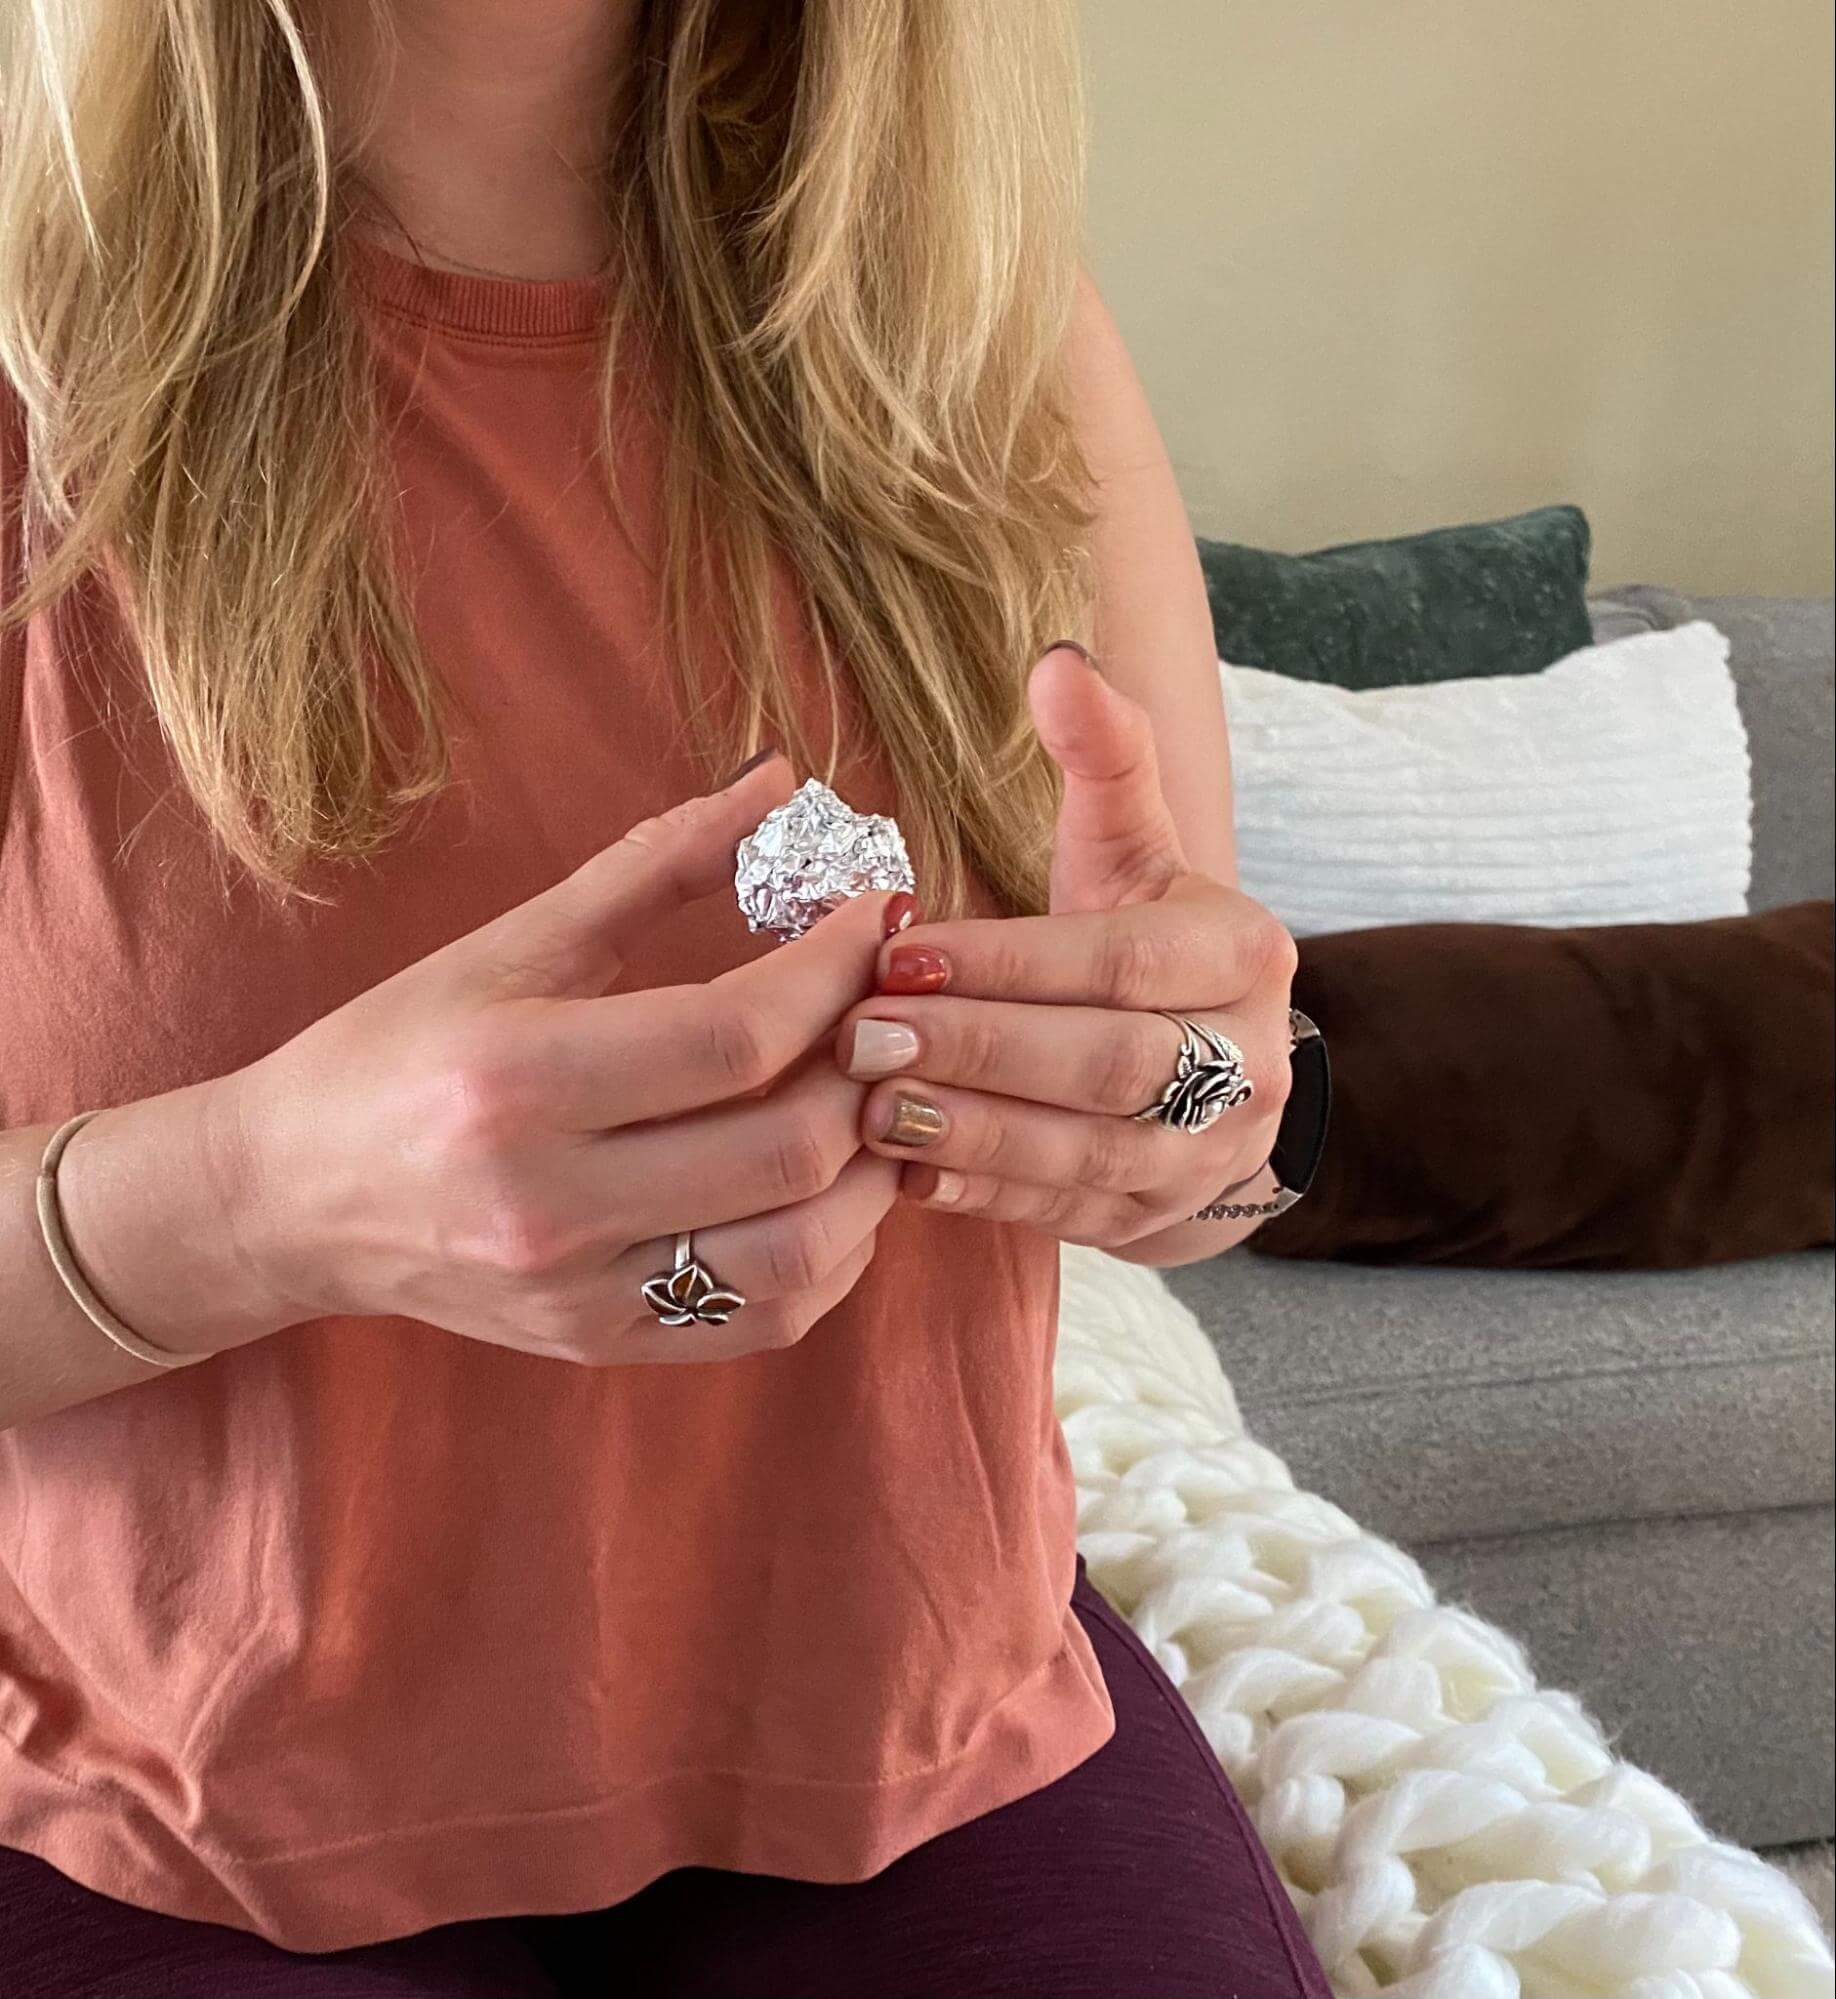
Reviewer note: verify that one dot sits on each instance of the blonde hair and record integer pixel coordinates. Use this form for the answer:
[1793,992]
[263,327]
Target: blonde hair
[853,228]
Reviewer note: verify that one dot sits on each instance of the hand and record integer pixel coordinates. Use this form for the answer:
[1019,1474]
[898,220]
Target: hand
[1010,1055]
[489,1143]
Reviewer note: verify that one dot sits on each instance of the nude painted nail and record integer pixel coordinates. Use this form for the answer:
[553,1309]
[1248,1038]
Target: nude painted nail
[881,1048]
[916,968]
[911,1121]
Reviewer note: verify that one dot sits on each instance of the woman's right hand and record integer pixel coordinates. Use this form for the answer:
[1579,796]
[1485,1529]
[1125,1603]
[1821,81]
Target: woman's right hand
[487,1142]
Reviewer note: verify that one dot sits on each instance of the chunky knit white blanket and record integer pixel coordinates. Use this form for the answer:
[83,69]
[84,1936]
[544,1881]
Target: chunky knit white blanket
[1448,1828]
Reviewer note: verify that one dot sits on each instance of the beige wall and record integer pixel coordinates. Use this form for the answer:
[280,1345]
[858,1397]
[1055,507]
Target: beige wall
[1390,263]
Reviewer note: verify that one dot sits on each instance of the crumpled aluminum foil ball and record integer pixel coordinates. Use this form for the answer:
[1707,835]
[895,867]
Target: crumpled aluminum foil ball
[809,856]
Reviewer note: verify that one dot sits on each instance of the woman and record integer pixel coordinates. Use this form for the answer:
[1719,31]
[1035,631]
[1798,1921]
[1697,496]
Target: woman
[441,436]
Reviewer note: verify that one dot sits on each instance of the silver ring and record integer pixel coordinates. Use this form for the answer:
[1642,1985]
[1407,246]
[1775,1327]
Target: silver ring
[1208,1081]
[690,1294]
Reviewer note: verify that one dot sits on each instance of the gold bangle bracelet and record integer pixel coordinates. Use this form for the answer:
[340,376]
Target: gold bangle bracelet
[51,1224]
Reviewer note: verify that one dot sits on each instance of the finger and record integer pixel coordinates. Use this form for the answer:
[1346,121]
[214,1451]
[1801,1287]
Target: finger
[1116,842]
[595,1064]
[789,1250]
[1080,1058]
[1199,945]
[567,941]
[720,1164]
[1010,1140]
[1071,1214]
[1112,1061]
[766,1327]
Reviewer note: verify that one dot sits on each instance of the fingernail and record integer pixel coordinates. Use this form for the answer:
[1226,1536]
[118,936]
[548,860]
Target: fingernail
[916,968]
[900,914]
[934,1186]
[1083,652]
[881,1047]
[752,763]
[909,1121]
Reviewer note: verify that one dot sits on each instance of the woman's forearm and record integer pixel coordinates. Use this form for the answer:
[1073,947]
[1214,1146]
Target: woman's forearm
[149,1195]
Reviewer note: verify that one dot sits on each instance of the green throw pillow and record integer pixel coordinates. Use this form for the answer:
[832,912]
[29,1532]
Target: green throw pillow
[1453,604]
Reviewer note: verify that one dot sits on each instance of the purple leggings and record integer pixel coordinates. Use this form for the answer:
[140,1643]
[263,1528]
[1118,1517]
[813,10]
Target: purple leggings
[1135,1873]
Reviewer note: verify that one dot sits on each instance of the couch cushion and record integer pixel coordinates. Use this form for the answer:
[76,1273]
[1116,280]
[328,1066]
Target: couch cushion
[1607,1097]
[1446,1404]
[1781,651]
[1612,787]
[1484,598]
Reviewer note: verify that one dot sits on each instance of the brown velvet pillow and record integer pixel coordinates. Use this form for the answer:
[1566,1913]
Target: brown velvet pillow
[1627,1096]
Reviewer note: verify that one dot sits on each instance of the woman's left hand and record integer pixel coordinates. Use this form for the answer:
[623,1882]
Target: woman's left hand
[1012,1054]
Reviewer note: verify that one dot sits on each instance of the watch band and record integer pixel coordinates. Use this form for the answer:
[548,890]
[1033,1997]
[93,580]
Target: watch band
[1301,1136]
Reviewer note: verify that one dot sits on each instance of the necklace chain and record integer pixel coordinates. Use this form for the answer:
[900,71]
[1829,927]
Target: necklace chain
[521,277]
[513,277]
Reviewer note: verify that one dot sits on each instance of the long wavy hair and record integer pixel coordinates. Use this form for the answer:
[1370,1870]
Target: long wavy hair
[853,227]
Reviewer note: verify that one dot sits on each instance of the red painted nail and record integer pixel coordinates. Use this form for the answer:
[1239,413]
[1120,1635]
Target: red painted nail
[916,968]
[900,914]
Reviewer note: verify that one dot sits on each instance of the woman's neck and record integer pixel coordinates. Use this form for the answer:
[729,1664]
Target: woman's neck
[491,132]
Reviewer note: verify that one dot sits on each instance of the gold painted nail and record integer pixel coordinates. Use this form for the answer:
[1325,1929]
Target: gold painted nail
[913,1122]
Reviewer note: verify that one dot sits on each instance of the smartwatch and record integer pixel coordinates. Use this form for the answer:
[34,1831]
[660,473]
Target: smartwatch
[1301,1136]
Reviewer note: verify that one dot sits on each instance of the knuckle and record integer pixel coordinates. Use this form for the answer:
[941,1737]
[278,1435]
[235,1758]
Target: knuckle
[1276,953]
[656,837]
[1128,1070]
[978,1050]
[1107,1162]
[800,1252]
[557,1326]
[656,844]
[479,1091]
[986,1141]
[1061,1209]
[1124,1222]
[1271,1083]
[740,1045]
[801,1167]
[782,1326]
[1131,965]
[514,1238]
[1002,966]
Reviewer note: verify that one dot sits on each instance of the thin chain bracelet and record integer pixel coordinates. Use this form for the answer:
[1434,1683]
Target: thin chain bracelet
[1222,1210]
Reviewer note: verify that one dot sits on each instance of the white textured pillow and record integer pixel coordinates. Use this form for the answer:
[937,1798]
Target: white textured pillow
[1612,787]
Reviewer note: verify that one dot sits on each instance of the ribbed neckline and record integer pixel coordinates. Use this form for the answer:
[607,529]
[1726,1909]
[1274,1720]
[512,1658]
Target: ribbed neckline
[531,309]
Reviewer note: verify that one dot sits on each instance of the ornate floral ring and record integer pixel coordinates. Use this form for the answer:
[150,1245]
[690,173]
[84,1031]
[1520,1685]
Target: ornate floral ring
[690,1295]
[1208,1081]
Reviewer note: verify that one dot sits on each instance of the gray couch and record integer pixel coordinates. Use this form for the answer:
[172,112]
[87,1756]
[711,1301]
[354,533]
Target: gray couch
[1631,1471]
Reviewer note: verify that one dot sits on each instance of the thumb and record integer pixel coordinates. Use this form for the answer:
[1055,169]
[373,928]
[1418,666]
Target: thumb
[1116,842]
[569,941]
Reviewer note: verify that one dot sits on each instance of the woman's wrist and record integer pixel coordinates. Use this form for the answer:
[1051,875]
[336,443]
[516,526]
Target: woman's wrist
[1193,1240]
[154,1199]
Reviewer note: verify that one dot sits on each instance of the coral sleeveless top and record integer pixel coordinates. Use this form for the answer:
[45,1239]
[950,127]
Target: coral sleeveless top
[367,1627]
